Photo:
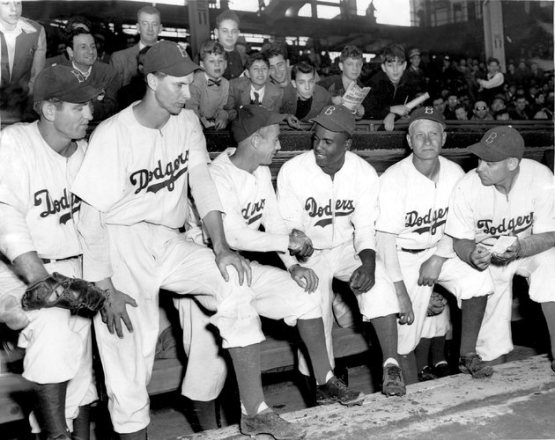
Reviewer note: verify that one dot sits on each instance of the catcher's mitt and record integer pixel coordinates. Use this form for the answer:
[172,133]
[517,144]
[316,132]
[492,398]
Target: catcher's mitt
[57,290]
[436,305]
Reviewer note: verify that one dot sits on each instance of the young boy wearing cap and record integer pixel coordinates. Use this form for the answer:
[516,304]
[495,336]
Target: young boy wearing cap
[413,205]
[506,198]
[227,33]
[38,162]
[210,90]
[330,194]
[134,184]
[389,89]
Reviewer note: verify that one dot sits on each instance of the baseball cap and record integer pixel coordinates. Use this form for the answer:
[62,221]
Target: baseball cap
[499,143]
[169,58]
[414,52]
[430,113]
[336,118]
[64,83]
[251,118]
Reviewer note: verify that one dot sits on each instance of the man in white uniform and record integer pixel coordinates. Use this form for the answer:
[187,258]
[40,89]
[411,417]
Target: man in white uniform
[414,202]
[505,197]
[134,184]
[331,195]
[38,162]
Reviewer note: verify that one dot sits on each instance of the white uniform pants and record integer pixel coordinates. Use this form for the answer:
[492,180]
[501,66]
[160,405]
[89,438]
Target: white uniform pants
[340,262]
[495,337]
[145,259]
[456,276]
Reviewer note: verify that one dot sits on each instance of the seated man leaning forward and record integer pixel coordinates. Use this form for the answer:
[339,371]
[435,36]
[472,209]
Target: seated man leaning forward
[413,200]
[244,185]
[331,195]
[507,200]
[134,184]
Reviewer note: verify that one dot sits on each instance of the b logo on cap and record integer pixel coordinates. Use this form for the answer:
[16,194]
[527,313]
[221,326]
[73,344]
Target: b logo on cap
[491,138]
[429,110]
[181,48]
[78,75]
[329,111]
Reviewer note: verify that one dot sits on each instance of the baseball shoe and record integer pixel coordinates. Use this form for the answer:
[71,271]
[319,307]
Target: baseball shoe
[335,390]
[442,369]
[474,365]
[393,383]
[269,423]
[426,374]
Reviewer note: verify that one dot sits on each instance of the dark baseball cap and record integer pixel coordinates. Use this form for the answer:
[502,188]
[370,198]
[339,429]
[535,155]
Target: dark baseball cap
[169,58]
[429,113]
[336,118]
[251,118]
[499,143]
[64,83]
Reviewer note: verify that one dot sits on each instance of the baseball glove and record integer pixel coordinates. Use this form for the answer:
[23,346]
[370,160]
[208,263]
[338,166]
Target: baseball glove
[57,290]
[436,305]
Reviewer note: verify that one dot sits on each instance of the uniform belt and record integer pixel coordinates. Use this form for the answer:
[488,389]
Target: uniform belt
[413,251]
[53,260]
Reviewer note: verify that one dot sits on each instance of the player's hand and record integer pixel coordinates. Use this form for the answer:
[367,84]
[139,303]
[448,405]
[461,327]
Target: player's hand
[226,257]
[220,123]
[293,122]
[506,257]
[430,270]
[406,314]
[114,311]
[304,277]
[389,122]
[362,279]
[480,257]
[299,244]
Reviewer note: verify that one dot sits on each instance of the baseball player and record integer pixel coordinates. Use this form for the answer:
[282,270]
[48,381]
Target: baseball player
[502,220]
[244,185]
[413,203]
[38,162]
[134,182]
[331,194]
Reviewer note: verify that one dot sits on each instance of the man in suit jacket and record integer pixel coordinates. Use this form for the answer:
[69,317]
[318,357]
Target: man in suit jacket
[254,88]
[303,98]
[149,27]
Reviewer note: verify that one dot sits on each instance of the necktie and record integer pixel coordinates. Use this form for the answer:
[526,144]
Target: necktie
[214,82]
[256,99]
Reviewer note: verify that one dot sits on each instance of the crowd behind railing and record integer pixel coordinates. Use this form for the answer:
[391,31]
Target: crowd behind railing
[279,76]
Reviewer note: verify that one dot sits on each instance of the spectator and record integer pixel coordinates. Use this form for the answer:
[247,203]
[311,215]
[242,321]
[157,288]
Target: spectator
[227,34]
[502,115]
[124,61]
[497,104]
[481,112]
[522,73]
[73,23]
[135,90]
[494,83]
[389,89]
[210,90]
[439,104]
[81,50]
[350,65]
[460,113]
[279,65]
[452,104]
[520,111]
[23,51]
[303,98]
[253,88]
[243,49]
[415,74]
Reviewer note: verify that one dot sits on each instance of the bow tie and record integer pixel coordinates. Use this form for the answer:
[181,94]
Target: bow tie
[214,82]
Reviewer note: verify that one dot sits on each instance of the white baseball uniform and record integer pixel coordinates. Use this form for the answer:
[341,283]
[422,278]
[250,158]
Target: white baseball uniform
[482,213]
[37,213]
[338,215]
[249,202]
[415,208]
[134,180]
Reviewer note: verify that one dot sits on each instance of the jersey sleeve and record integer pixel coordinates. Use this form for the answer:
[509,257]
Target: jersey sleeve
[460,219]
[391,206]
[544,202]
[366,209]
[290,207]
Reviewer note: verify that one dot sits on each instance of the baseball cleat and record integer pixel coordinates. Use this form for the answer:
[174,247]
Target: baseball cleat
[442,369]
[426,374]
[269,423]
[474,365]
[393,383]
[335,391]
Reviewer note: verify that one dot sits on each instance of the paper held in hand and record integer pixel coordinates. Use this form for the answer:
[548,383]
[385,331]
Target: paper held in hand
[417,101]
[354,95]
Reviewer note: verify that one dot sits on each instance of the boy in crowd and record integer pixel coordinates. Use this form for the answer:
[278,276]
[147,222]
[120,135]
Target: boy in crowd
[254,88]
[389,89]
[450,109]
[210,90]
[279,65]
[227,33]
[303,98]
[481,112]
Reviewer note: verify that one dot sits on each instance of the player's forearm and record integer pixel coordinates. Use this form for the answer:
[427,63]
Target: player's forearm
[204,191]
[30,267]
[463,248]
[444,247]
[536,244]
[215,228]
[246,239]
[368,258]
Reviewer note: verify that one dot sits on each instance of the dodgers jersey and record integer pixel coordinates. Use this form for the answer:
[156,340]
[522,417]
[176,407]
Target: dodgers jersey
[133,173]
[249,201]
[414,207]
[36,206]
[330,211]
[479,212]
